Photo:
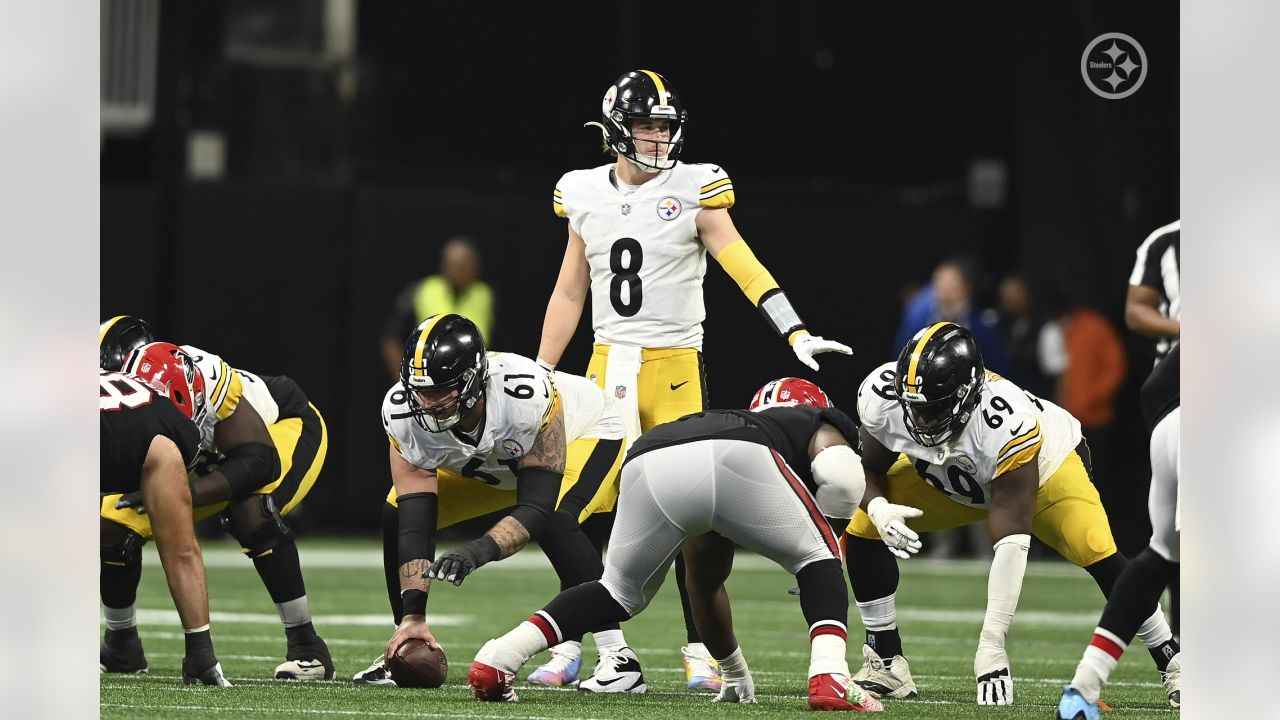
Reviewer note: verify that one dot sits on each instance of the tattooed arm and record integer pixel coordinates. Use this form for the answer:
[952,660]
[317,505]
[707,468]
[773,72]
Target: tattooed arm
[417,507]
[538,476]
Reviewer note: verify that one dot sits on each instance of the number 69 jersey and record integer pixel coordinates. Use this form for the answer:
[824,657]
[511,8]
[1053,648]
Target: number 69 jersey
[642,247]
[1008,427]
[227,386]
[520,399]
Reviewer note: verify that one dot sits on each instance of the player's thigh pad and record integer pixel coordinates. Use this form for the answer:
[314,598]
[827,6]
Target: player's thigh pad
[672,384]
[1069,516]
[666,497]
[591,470]
[906,487]
[763,506]
[1162,502]
[462,498]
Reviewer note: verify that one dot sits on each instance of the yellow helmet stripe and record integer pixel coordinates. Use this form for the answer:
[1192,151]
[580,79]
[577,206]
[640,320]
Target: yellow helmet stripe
[106,326]
[912,379]
[419,369]
[663,95]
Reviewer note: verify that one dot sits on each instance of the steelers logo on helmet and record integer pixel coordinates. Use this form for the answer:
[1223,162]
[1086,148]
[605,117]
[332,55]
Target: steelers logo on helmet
[938,379]
[669,208]
[643,95]
[443,370]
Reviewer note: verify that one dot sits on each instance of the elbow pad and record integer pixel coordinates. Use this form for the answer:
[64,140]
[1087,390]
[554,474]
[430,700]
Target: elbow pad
[248,467]
[537,489]
[838,473]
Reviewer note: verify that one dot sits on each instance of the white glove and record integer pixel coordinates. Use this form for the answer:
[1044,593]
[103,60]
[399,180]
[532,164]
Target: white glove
[548,367]
[806,346]
[891,521]
[995,679]
[741,690]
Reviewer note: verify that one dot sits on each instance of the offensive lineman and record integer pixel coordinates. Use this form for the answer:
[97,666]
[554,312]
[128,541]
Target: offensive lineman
[639,232]
[146,445]
[973,444]
[242,474]
[762,479]
[473,433]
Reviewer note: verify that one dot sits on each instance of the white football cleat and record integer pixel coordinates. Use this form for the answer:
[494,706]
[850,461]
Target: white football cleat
[1172,680]
[893,681]
[376,674]
[617,672]
[701,671]
[562,669]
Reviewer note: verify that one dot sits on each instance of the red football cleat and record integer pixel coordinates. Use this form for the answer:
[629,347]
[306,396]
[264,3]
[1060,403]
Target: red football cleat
[838,692]
[491,684]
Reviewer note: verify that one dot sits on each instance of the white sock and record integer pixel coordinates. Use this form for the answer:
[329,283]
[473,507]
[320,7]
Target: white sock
[120,618]
[295,612]
[826,655]
[608,641]
[733,668]
[879,615]
[1095,667]
[1155,630]
[514,649]
[572,648]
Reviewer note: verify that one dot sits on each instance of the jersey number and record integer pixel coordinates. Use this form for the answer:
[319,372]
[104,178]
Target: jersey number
[122,391]
[962,483]
[628,274]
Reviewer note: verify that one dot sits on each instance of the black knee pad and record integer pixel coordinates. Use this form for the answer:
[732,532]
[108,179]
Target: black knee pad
[120,545]
[256,524]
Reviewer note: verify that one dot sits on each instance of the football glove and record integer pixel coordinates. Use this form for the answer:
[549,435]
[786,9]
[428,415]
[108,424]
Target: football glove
[806,346]
[455,565]
[548,367]
[738,690]
[995,679]
[891,521]
[132,500]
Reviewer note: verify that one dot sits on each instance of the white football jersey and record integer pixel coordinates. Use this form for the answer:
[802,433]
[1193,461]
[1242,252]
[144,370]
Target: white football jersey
[520,399]
[1007,429]
[225,387]
[646,261]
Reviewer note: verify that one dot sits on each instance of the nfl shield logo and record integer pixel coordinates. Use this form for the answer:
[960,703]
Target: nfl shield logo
[620,391]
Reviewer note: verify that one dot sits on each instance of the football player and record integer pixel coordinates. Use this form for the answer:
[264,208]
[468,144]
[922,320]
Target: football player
[1146,576]
[474,433]
[639,230]
[946,443]
[146,445]
[764,480]
[263,447]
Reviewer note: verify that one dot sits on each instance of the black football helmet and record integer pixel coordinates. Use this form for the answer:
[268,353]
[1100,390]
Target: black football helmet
[443,370]
[939,378]
[118,337]
[637,95]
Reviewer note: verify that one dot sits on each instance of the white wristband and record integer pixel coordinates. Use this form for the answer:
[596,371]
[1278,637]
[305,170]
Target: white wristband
[546,365]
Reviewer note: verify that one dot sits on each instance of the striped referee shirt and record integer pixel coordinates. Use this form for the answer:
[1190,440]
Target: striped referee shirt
[1158,267]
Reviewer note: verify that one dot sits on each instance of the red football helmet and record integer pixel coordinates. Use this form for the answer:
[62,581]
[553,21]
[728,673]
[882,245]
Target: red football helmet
[170,371]
[789,392]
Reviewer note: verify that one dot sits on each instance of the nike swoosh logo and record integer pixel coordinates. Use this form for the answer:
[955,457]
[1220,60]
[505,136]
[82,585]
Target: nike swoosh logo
[677,386]
[1016,430]
[610,682]
[715,169]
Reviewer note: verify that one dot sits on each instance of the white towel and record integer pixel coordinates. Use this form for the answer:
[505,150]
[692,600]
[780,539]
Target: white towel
[621,382]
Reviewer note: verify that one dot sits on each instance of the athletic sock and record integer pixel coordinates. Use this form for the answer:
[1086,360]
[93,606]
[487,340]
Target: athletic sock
[608,641]
[1099,660]
[121,618]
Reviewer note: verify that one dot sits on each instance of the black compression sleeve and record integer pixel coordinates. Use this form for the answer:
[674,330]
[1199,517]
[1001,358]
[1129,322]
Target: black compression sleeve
[248,467]
[536,491]
[417,515]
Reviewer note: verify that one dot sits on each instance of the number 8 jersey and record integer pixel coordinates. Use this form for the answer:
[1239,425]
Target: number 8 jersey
[1007,429]
[520,399]
[642,247]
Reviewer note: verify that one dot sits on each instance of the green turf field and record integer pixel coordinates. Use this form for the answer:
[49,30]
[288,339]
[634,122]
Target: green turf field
[940,606]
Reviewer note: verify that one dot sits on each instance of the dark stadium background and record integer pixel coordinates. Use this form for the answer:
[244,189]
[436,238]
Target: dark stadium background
[851,132]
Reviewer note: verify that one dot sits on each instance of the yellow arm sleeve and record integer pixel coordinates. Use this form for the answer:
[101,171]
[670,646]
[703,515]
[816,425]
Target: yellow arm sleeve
[741,264]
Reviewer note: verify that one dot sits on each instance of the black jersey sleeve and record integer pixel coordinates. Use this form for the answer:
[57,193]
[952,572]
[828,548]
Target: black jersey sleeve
[288,395]
[128,423]
[1162,391]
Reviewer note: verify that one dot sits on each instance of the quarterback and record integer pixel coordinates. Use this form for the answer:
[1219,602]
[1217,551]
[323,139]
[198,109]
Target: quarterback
[639,231]
[946,443]
[473,433]
[262,447]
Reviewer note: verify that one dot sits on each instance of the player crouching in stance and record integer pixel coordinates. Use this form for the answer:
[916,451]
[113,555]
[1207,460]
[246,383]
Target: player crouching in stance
[1147,575]
[474,433]
[147,442]
[946,443]
[751,479]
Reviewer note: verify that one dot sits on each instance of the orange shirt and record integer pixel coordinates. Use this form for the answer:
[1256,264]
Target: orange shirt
[1096,366]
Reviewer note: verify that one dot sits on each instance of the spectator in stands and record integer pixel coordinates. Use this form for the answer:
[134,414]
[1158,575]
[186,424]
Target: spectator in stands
[1020,327]
[950,297]
[457,289]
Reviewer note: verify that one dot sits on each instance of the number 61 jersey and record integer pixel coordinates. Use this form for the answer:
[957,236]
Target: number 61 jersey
[1006,430]
[520,400]
[642,247]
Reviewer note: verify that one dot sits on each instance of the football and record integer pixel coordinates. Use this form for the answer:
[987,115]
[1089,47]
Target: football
[417,665]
